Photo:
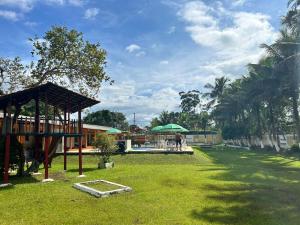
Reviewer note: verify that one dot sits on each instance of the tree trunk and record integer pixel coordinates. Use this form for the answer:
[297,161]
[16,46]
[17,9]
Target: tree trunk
[259,127]
[296,115]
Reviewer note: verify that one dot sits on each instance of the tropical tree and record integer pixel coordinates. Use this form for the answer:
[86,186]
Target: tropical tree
[216,91]
[107,118]
[285,52]
[189,101]
[61,56]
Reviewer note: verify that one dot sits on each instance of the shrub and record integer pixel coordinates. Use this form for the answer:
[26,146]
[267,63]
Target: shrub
[106,146]
[16,156]
[295,148]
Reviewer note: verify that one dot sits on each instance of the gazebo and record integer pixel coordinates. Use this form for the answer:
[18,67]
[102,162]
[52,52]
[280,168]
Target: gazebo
[63,101]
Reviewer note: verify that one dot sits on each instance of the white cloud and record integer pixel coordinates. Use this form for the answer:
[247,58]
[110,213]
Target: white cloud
[126,97]
[9,15]
[132,48]
[141,53]
[234,45]
[24,5]
[76,2]
[30,24]
[236,3]
[164,62]
[171,30]
[91,13]
[55,2]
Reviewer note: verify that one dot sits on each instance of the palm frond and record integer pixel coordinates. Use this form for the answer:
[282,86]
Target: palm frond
[271,51]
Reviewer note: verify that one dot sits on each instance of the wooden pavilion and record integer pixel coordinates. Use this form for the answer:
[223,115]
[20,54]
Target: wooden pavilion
[63,101]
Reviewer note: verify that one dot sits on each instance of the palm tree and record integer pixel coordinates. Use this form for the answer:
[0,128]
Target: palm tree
[285,52]
[216,90]
[291,20]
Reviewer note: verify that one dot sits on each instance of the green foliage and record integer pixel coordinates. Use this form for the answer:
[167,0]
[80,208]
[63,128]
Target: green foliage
[16,154]
[107,118]
[189,101]
[106,145]
[265,101]
[216,91]
[61,56]
[66,58]
[13,76]
[191,121]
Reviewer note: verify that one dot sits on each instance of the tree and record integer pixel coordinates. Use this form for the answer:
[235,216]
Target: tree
[292,17]
[107,118]
[285,52]
[189,101]
[61,56]
[155,122]
[12,76]
[204,121]
[216,91]
[105,144]
[64,57]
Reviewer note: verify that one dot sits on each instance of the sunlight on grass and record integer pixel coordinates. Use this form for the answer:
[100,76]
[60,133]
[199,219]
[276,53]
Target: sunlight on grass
[209,187]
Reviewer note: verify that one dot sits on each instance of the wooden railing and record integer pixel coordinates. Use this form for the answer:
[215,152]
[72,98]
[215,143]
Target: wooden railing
[25,125]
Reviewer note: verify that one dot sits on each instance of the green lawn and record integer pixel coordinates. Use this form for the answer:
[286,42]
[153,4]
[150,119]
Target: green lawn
[101,186]
[210,187]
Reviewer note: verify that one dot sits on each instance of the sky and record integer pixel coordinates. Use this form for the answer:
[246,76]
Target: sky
[155,48]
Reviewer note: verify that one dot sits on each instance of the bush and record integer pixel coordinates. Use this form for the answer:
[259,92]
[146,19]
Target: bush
[295,148]
[106,146]
[16,156]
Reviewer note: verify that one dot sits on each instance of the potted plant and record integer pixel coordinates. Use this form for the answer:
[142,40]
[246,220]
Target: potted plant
[105,144]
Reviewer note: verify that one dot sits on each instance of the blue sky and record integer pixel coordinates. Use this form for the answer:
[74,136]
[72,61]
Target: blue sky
[156,48]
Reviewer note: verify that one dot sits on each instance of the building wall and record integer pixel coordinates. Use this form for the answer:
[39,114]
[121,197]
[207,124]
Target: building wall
[281,142]
[200,138]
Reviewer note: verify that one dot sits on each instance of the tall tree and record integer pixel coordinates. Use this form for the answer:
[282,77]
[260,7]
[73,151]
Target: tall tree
[216,91]
[12,76]
[189,101]
[107,118]
[61,56]
[285,51]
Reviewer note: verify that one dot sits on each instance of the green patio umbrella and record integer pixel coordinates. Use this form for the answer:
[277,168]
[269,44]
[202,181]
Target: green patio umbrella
[157,129]
[173,128]
[114,131]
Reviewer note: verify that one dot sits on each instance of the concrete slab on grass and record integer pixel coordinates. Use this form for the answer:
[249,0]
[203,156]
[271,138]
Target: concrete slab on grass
[98,193]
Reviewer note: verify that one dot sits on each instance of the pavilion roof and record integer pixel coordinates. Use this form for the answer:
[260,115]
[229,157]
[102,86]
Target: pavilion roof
[57,96]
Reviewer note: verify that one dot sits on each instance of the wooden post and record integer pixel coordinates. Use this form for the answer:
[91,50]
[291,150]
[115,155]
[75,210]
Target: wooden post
[65,140]
[37,129]
[80,141]
[46,147]
[7,144]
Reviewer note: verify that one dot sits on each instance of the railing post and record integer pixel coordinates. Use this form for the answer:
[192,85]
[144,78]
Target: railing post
[65,139]
[8,130]
[46,147]
[80,141]
[36,129]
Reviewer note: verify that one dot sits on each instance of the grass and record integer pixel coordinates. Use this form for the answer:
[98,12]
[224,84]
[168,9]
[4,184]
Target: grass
[209,187]
[102,186]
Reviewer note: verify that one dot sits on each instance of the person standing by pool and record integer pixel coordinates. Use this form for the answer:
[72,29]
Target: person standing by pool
[178,140]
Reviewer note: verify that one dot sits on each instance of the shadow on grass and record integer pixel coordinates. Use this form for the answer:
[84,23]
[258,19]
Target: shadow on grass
[84,170]
[252,188]
[15,180]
